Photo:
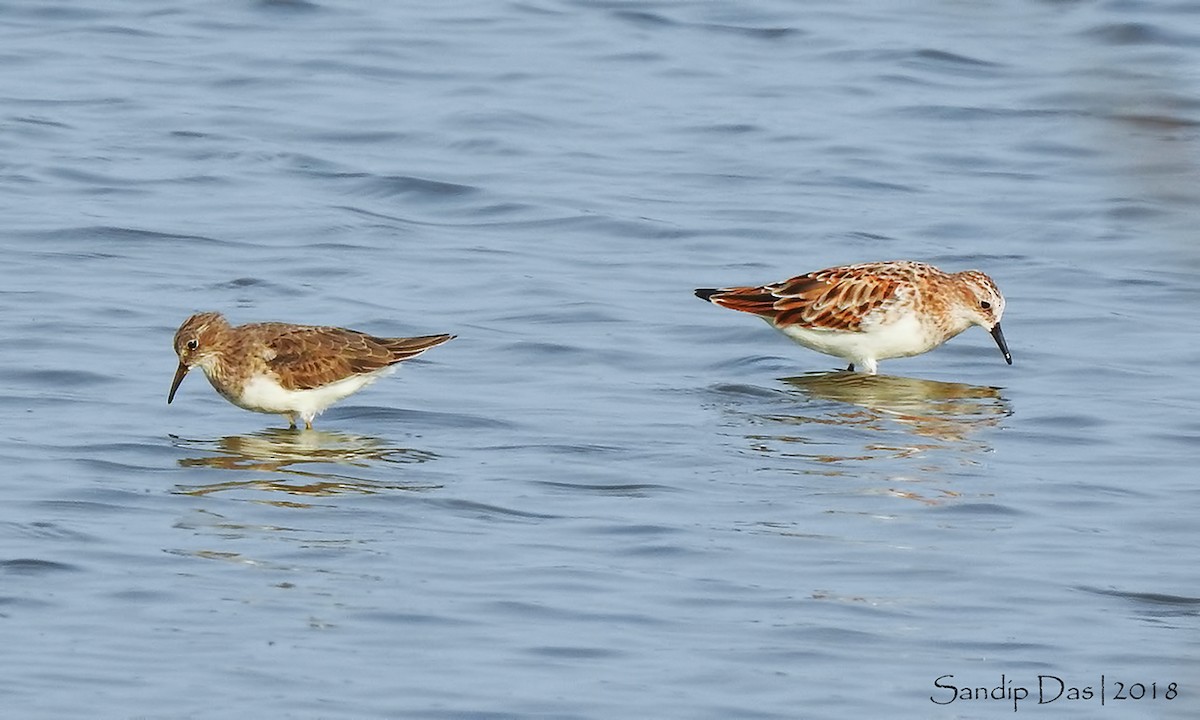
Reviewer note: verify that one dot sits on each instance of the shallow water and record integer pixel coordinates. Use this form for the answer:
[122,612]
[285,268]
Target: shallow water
[605,498]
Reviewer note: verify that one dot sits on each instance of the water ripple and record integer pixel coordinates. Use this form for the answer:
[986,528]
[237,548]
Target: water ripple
[30,566]
[604,481]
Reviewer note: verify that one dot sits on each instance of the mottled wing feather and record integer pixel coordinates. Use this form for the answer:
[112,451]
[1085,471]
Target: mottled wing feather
[309,357]
[835,299]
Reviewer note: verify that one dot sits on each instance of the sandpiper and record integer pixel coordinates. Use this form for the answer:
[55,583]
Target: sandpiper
[292,370]
[873,311]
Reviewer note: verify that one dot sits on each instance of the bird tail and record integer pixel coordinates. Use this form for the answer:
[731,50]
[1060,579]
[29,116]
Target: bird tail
[755,300]
[405,348]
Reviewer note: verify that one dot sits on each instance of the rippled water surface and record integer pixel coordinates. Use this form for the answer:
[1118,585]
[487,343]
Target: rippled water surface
[605,499]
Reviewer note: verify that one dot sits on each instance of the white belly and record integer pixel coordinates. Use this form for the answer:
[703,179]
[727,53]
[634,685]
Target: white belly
[903,337]
[263,394]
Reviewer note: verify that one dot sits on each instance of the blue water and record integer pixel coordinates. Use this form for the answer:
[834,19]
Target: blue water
[605,499]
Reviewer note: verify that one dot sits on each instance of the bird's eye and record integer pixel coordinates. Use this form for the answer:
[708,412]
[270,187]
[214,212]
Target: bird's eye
[193,344]
[985,305]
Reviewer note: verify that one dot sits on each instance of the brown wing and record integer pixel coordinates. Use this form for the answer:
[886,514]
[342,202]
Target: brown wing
[834,299]
[307,357]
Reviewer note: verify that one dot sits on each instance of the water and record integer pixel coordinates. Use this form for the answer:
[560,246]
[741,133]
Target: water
[605,498]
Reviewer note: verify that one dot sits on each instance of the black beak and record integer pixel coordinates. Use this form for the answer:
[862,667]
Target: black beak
[999,338]
[183,370]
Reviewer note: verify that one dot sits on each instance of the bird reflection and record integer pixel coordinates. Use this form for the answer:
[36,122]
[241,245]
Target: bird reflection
[937,410]
[308,462]
[845,423]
